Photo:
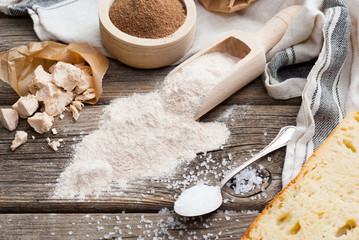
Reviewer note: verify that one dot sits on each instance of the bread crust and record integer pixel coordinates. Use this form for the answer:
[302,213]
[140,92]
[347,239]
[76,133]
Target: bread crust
[246,235]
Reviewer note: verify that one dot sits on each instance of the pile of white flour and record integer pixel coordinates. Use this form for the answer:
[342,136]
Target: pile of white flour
[147,135]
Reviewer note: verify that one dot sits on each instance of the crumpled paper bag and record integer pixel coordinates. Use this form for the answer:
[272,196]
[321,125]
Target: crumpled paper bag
[18,64]
[226,6]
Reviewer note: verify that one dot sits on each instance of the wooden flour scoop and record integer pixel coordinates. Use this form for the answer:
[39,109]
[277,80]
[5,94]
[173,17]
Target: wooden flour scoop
[251,48]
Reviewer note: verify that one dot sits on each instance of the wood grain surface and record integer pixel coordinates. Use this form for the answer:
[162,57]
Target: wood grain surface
[28,175]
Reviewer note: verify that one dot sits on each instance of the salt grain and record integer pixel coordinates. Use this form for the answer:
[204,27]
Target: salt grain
[165,211]
[148,135]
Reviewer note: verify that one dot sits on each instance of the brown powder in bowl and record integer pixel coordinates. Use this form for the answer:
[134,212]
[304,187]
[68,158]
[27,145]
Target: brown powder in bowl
[148,18]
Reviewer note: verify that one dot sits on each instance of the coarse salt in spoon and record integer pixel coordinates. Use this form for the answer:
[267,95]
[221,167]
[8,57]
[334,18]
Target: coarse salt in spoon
[198,200]
[202,199]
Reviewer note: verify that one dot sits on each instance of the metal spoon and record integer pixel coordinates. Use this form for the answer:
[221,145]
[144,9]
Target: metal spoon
[202,199]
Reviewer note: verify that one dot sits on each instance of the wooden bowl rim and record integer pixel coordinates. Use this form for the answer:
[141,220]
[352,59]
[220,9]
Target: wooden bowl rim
[181,32]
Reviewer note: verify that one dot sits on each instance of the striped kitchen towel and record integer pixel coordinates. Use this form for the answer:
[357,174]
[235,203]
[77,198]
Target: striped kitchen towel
[317,59]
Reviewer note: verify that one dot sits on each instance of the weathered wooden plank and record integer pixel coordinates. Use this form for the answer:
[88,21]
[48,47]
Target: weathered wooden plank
[124,226]
[28,175]
[121,80]
[16,31]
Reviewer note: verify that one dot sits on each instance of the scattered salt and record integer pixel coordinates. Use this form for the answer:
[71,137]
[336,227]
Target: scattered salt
[165,211]
[247,180]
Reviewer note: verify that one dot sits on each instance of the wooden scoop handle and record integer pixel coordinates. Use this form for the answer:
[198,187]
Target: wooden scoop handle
[270,34]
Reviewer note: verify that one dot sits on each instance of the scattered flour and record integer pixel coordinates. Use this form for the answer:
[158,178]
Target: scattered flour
[148,135]
[228,114]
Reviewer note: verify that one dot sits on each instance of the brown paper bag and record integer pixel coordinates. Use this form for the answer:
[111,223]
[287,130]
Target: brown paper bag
[226,6]
[18,64]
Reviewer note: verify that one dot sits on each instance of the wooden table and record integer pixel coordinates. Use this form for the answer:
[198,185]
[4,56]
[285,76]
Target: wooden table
[28,175]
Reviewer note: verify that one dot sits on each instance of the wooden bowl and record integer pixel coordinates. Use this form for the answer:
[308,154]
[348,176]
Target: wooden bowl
[143,52]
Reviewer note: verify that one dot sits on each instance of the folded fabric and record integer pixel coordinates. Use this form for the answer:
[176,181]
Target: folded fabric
[59,20]
[317,58]
[321,34]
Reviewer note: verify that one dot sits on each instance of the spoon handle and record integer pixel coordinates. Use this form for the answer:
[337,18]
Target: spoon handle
[279,141]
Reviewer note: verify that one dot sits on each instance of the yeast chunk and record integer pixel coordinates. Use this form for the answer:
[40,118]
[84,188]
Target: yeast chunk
[41,122]
[9,118]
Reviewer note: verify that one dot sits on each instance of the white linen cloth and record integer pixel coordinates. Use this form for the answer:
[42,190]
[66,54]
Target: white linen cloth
[317,59]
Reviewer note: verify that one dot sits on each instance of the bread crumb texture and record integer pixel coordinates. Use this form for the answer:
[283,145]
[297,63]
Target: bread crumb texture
[322,202]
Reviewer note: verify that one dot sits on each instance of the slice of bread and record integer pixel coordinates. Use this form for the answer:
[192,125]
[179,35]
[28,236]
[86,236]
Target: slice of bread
[322,202]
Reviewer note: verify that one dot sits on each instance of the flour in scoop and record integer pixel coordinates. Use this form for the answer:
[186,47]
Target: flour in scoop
[198,200]
[147,135]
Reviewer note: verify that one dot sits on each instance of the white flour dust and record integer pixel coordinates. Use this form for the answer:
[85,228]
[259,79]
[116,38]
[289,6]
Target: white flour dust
[148,135]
